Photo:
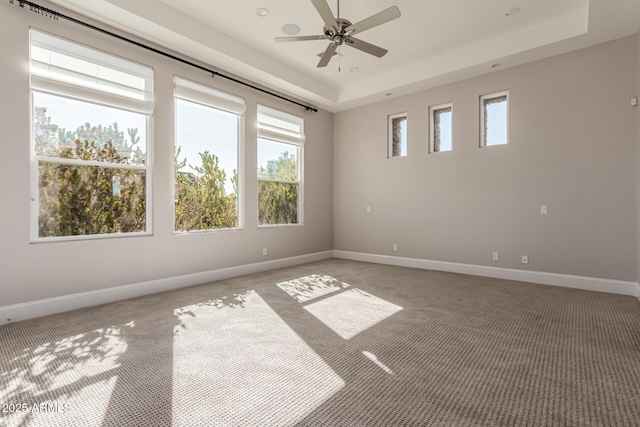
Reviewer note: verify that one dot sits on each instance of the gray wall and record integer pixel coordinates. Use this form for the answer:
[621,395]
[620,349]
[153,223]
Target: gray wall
[34,271]
[637,93]
[572,147]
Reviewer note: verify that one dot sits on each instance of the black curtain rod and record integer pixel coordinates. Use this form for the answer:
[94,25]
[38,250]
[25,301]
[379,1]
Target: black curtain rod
[55,15]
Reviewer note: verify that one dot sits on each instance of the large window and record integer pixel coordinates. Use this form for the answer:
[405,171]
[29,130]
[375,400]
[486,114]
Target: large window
[207,143]
[441,138]
[90,156]
[280,145]
[494,119]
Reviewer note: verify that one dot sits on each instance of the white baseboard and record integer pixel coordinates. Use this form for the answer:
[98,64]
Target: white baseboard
[44,307]
[569,281]
[64,303]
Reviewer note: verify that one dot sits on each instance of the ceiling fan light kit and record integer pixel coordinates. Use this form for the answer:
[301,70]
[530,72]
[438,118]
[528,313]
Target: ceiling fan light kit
[340,31]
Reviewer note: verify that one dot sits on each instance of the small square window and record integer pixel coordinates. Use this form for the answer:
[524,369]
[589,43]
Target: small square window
[494,119]
[441,134]
[397,135]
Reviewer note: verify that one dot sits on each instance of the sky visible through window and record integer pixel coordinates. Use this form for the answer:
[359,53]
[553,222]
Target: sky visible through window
[69,114]
[403,137]
[445,131]
[199,129]
[272,150]
[497,123]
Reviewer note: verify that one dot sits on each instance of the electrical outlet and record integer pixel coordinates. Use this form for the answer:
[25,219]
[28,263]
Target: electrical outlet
[368,209]
[544,209]
[264,251]
[525,259]
[395,248]
[496,256]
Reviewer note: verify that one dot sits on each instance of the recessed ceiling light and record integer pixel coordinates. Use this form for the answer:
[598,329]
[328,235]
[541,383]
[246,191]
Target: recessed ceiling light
[262,12]
[512,12]
[354,69]
[290,29]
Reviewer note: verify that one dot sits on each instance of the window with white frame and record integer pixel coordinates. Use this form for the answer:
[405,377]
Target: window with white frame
[91,173]
[207,161]
[441,124]
[397,135]
[494,119]
[280,154]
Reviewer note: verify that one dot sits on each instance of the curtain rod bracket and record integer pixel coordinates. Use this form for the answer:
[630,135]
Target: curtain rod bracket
[36,8]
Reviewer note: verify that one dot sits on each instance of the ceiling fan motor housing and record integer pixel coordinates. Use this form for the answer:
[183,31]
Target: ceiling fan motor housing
[340,31]
[339,36]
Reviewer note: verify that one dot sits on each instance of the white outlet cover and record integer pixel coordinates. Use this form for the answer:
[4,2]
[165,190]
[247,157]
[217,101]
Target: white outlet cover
[525,259]
[496,256]
[544,210]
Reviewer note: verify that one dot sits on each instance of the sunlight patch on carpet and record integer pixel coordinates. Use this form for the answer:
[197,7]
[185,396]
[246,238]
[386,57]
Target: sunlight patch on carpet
[309,287]
[238,363]
[53,381]
[351,312]
[375,360]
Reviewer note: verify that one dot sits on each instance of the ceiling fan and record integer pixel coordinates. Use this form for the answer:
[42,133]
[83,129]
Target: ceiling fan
[340,31]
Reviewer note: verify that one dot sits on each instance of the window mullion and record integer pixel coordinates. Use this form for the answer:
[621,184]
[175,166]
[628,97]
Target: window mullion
[79,162]
[282,181]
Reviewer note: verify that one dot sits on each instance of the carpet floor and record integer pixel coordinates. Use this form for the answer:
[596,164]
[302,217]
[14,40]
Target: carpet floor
[331,343]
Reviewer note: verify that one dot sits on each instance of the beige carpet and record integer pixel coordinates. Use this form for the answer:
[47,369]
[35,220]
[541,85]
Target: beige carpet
[333,343]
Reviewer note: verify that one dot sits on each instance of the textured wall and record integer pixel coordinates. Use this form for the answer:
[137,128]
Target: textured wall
[572,146]
[33,271]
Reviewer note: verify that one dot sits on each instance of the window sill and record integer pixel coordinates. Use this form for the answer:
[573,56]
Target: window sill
[38,240]
[212,231]
[265,227]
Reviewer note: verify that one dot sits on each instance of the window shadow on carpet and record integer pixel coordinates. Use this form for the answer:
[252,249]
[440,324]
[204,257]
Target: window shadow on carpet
[332,343]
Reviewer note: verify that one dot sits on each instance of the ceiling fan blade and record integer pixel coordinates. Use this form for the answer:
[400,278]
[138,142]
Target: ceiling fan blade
[299,38]
[331,49]
[369,48]
[374,20]
[325,13]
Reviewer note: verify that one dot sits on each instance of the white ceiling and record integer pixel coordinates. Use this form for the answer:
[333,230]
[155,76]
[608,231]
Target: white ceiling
[434,42]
